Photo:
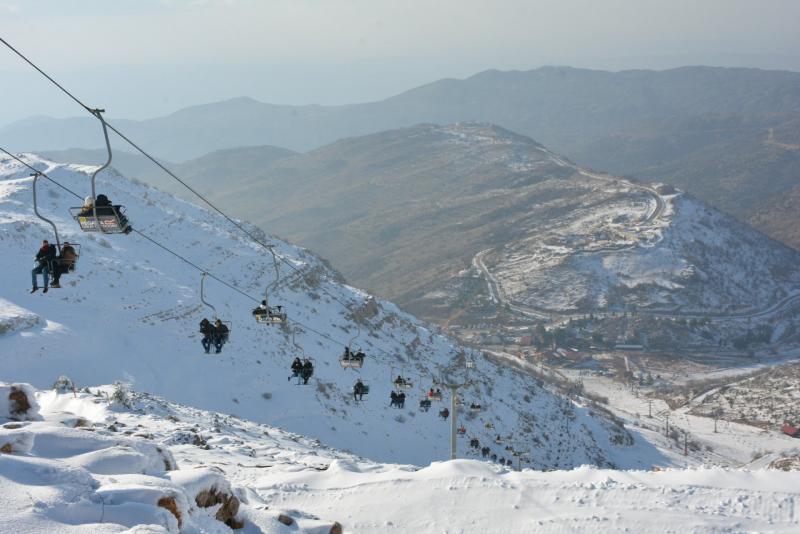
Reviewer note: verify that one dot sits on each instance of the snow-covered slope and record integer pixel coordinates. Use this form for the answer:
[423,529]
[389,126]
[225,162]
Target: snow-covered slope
[688,258]
[95,465]
[131,313]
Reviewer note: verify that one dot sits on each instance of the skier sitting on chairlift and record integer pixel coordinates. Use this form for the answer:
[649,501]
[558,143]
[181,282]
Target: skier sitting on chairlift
[44,262]
[444,413]
[393,399]
[401,400]
[399,381]
[208,334]
[297,367]
[103,207]
[261,309]
[358,390]
[64,263]
[424,404]
[220,335]
[307,371]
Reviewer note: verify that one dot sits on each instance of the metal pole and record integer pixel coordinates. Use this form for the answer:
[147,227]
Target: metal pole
[453,429]
[98,114]
[36,211]
[453,423]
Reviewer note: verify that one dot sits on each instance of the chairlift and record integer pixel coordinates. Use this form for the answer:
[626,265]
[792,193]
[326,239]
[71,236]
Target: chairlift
[461,431]
[489,425]
[303,366]
[219,334]
[424,405]
[352,359]
[360,389]
[65,265]
[435,395]
[474,407]
[265,314]
[101,215]
[401,382]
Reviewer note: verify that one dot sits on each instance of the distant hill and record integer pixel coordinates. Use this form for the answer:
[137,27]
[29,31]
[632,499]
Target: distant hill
[707,130]
[406,213]
[205,173]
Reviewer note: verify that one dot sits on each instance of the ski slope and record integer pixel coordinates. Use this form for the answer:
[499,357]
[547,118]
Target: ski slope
[131,314]
[95,465]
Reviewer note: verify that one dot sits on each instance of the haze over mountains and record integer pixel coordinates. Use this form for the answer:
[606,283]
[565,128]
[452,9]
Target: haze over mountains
[729,136]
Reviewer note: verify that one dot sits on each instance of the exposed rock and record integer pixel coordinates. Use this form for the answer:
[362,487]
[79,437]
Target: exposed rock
[227,512]
[286,520]
[169,504]
[791,463]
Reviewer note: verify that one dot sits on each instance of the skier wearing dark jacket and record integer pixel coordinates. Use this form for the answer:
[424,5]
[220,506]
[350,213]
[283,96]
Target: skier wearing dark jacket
[44,262]
[208,333]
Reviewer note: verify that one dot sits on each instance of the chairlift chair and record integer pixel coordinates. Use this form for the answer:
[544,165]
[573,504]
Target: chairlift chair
[226,336]
[58,261]
[351,359]
[461,431]
[489,425]
[110,219]
[265,314]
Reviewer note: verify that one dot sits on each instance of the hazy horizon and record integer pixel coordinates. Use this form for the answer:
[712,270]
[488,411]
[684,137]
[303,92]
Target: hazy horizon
[149,58]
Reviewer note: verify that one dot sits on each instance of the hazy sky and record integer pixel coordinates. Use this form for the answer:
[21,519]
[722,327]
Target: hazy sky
[143,58]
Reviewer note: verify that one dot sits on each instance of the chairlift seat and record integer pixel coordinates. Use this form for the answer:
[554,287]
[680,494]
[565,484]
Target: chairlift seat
[269,316]
[405,384]
[110,219]
[351,363]
[436,396]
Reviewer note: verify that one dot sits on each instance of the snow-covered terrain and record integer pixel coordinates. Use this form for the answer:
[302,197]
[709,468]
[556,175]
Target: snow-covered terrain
[131,314]
[103,460]
[607,254]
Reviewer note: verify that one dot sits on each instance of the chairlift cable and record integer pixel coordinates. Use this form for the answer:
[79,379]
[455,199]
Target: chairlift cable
[179,256]
[106,124]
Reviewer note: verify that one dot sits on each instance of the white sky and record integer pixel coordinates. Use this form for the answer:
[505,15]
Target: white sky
[143,58]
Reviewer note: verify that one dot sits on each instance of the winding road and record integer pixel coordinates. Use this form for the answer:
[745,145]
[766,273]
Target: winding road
[495,290]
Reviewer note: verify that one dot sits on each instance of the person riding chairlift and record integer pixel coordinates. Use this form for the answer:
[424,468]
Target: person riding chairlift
[63,263]
[44,262]
[297,367]
[207,329]
[220,335]
[261,309]
[306,371]
[103,207]
[358,390]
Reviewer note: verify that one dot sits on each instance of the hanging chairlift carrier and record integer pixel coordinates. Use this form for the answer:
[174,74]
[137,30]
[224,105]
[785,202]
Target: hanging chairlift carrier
[106,219]
[264,314]
[58,261]
[226,336]
[350,359]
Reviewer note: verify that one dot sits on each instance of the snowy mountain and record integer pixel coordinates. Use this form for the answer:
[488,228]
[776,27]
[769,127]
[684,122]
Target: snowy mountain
[106,460]
[131,311]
